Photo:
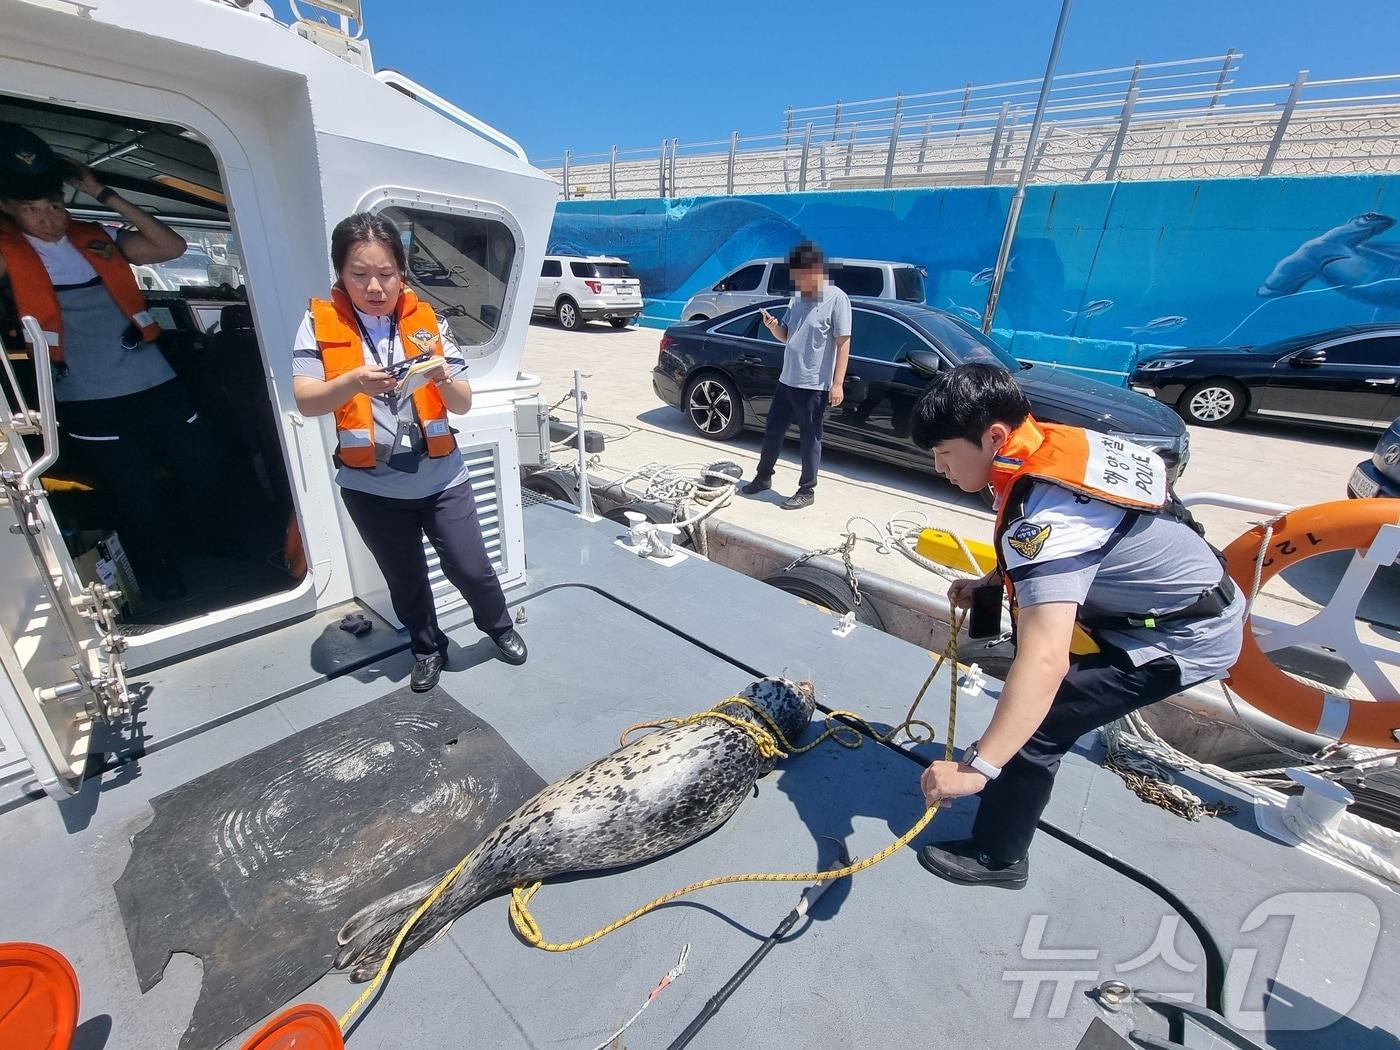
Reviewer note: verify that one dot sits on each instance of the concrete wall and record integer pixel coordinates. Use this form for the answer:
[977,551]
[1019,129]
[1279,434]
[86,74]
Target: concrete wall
[1100,273]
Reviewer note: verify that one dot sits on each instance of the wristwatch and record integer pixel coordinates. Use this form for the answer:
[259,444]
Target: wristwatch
[105,194]
[977,762]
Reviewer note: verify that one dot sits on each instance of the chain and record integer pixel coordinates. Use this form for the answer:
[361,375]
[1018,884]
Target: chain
[844,550]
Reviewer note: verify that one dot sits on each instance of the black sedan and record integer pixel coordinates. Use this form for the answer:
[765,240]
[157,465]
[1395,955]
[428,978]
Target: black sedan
[722,373]
[1348,377]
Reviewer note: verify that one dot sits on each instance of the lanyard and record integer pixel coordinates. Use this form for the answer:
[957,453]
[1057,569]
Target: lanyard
[390,398]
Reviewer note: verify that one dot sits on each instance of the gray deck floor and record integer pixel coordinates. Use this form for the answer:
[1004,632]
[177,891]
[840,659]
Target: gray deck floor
[891,957]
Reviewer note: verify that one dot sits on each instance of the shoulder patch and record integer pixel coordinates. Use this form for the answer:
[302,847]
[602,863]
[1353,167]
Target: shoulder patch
[424,340]
[1029,539]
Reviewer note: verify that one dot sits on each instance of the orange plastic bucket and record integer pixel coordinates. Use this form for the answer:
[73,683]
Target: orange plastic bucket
[38,998]
[305,1026]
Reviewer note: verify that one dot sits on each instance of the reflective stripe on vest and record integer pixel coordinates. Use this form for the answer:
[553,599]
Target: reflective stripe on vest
[33,288]
[342,350]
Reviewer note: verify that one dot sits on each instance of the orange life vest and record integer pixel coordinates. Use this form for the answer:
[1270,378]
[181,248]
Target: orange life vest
[1084,462]
[33,289]
[342,350]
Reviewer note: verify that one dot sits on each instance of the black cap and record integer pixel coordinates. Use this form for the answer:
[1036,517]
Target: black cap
[29,168]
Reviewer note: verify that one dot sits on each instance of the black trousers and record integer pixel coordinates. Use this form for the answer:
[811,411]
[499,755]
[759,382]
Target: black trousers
[1098,689]
[123,440]
[393,530]
[808,408]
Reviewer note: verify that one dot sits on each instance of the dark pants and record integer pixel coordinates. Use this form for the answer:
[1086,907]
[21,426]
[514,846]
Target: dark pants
[123,440]
[808,408]
[1098,689]
[393,530]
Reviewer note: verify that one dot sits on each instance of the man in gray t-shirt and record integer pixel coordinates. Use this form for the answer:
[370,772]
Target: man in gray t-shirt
[816,346]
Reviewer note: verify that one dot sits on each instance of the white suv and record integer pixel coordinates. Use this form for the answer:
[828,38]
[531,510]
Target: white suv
[759,280]
[574,289]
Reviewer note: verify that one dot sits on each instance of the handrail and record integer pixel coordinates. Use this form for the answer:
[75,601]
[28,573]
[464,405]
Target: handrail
[393,78]
[48,421]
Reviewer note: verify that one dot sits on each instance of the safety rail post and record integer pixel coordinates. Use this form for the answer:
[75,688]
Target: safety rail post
[806,153]
[612,174]
[923,143]
[671,168]
[733,154]
[850,147]
[1267,167]
[661,170]
[1224,72]
[894,140]
[996,141]
[962,113]
[836,123]
[568,157]
[787,146]
[1129,101]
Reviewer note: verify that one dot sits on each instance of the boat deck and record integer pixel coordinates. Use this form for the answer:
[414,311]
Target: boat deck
[1118,889]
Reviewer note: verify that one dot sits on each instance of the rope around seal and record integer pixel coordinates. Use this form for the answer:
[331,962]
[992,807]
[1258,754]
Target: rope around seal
[771,743]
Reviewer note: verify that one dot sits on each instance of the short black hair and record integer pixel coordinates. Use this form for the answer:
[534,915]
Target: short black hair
[964,401]
[806,256]
[360,228]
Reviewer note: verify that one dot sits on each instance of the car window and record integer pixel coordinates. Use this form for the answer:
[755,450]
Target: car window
[746,327]
[881,338]
[761,332]
[963,341]
[909,284]
[858,280]
[780,280]
[551,268]
[583,269]
[1384,351]
[743,280]
[611,270]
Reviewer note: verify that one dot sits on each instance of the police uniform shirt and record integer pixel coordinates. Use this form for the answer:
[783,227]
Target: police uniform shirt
[434,474]
[1070,548]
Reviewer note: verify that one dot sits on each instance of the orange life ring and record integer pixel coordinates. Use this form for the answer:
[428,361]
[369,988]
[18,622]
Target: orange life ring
[1303,533]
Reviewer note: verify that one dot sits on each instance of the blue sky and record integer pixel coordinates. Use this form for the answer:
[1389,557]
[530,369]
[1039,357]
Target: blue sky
[586,75]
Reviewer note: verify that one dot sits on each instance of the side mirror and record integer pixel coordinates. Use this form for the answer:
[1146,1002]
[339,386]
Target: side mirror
[1309,359]
[925,362]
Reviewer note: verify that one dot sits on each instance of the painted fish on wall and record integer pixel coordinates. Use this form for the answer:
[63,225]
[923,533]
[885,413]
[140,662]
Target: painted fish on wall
[1343,258]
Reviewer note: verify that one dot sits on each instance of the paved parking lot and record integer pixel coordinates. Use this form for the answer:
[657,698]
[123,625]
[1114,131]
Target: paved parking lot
[1266,461]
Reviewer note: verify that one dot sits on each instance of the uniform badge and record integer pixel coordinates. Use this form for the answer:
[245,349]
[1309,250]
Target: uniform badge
[102,247]
[27,159]
[1028,539]
[424,340]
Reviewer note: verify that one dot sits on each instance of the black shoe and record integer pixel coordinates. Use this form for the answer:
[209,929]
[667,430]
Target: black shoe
[753,488]
[799,501]
[426,672]
[963,862]
[512,646]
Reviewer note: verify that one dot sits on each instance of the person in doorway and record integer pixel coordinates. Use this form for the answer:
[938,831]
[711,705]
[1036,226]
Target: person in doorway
[1088,535]
[401,475]
[816,346]
[117,398]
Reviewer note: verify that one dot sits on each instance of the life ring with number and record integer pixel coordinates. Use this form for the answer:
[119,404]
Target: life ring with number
[1346,525]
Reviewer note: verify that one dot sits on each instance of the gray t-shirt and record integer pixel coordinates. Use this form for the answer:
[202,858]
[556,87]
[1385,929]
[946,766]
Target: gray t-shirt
[433,474]
[813,326]
[95,366]
[1066,548]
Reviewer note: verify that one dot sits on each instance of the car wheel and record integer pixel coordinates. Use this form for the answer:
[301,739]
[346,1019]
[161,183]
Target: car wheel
[828,589]
[566,312]
[1213,403]
[619,322]
[713,406]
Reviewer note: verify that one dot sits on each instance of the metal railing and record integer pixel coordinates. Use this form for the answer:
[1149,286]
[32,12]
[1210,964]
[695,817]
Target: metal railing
[1184,119]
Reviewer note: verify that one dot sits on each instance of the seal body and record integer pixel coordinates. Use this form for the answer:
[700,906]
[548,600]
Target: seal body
[643,800]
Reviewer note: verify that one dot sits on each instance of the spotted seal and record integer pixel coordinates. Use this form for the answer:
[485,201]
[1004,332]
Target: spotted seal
[647,798]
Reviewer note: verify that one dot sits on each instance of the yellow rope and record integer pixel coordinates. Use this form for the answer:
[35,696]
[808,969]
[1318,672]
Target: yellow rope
[770,741]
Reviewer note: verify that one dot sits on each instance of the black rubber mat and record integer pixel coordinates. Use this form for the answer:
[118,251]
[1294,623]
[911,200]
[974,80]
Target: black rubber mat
[254,867]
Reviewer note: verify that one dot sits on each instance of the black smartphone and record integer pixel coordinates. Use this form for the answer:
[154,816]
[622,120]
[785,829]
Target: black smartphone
[984,621]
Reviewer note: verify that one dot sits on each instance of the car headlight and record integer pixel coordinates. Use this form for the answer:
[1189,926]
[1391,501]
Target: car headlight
[1161,364]
[1174,446]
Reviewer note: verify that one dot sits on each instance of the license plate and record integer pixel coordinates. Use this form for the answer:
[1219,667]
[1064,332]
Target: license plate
[1361,485]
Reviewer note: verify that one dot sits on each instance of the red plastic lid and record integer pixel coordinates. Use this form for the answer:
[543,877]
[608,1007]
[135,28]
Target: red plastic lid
[38,998]
[305,1026]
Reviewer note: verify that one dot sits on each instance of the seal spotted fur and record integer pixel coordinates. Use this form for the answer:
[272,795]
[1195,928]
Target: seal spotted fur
[645,799]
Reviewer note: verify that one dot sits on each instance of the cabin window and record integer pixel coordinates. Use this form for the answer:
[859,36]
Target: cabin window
[460,265]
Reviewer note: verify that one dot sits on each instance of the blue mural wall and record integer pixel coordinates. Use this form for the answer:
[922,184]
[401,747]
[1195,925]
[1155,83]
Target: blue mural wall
[1100,274]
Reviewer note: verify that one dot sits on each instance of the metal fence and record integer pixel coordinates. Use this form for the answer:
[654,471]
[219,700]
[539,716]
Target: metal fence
[1183,119]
